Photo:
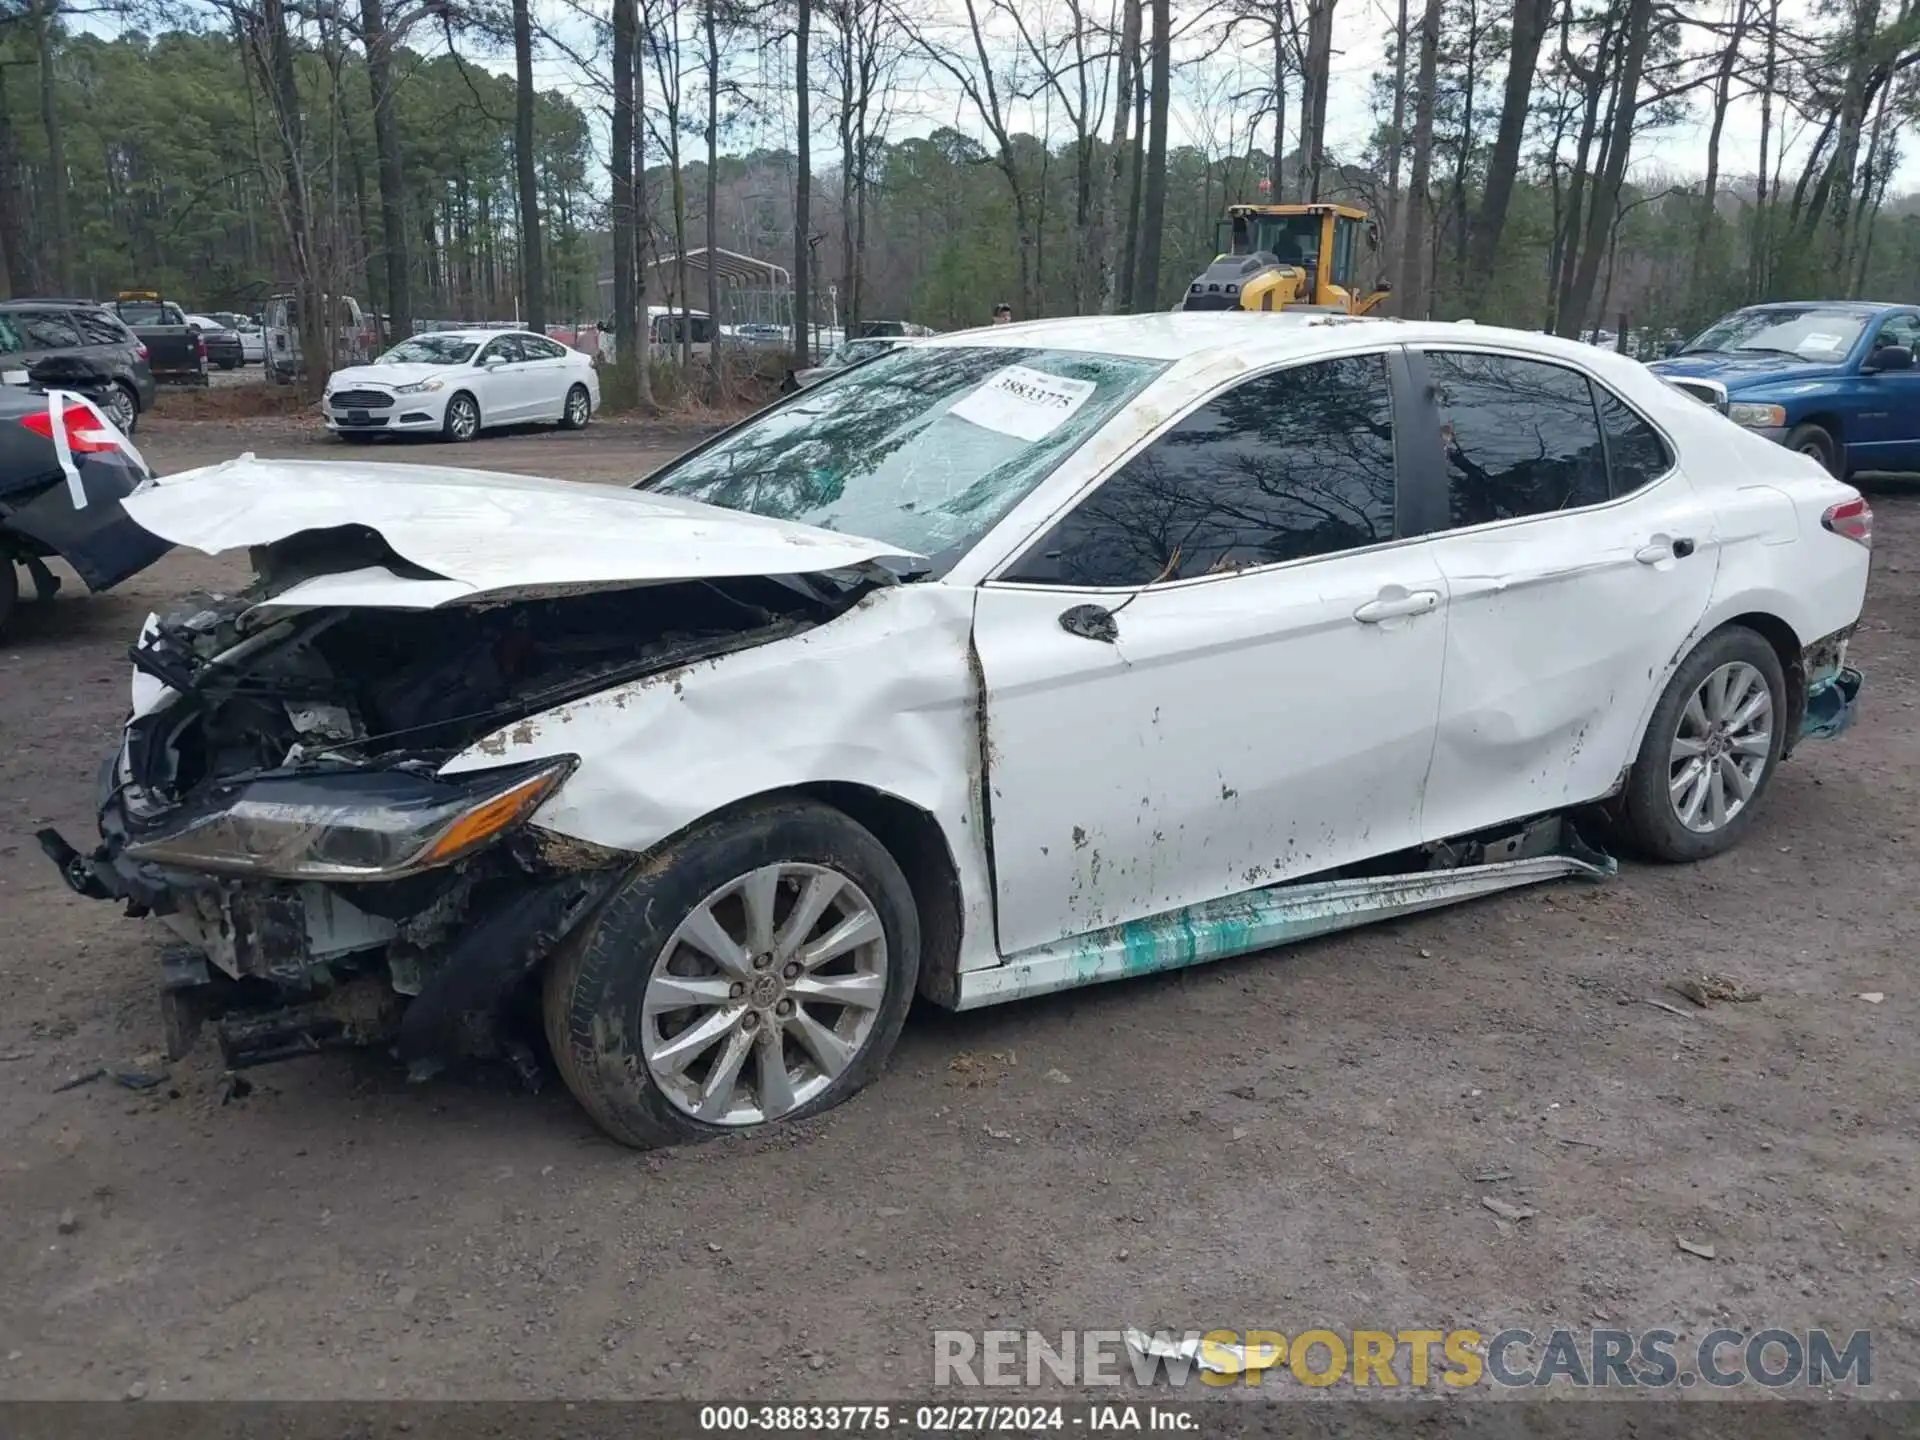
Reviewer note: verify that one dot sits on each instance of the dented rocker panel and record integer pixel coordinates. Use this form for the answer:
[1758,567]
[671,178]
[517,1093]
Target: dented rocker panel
[1257,920]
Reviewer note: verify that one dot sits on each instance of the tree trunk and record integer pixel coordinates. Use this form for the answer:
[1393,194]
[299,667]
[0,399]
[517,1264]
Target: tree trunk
[1710,187]
[19,258]
[1413,259]
[1115,283]
[713,188]
[1759,251]
[629,357]
[802,190]
[1146,280]
[1136,169]
[54,198]
[391,171]
[533,280]
[1277,165]
[1395,139]
[1530,20]
[1313,95]
[1606,190]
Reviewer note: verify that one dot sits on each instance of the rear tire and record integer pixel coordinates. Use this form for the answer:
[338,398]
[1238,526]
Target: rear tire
[577,410]
[1818,443]
[9,590]
[1704,746]
[122,407]
[618,1018]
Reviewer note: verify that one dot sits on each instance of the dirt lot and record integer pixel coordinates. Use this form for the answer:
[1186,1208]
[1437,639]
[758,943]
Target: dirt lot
[1285,1141]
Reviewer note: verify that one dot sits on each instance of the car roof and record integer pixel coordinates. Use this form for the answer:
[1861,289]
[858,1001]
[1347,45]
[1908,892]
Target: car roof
[1872,306]
[474,336]
[33,303]
[1250,337]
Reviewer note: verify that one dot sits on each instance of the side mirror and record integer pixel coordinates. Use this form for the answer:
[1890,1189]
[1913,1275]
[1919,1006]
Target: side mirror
[491,362]
[1890,357]
[1384,287]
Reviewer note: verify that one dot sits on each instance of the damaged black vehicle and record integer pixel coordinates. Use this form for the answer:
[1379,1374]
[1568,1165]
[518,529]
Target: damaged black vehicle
[64,469]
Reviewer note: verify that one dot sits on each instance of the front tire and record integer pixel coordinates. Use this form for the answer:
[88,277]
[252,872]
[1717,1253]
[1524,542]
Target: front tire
[756,969]
[578,410]
[462,421]
[1710,749]
[1817,443]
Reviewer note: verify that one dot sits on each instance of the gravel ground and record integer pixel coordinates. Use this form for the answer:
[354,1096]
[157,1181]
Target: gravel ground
[1292,1140]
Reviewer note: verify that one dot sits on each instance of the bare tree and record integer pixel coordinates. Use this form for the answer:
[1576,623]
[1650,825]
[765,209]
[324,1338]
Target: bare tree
[626,305]
[1530,21]
[802,188]
[1153,216]
[533,286]
[1412,300]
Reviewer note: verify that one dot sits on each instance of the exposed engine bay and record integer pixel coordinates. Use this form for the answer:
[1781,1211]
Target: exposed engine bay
[277,801]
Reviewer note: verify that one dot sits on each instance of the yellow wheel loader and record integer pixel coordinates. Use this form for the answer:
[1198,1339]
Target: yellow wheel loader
[1290,257]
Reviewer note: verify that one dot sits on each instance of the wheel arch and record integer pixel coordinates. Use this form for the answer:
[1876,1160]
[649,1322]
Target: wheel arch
[1777,632]
[1791,649]
[908,832]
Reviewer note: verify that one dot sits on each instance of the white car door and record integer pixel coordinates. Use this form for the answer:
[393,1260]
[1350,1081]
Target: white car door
[501,379]
[548,377]
[1217,671]
[1578,561]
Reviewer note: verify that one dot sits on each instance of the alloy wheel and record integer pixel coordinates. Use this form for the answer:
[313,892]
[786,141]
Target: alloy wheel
[463,418]
[1721,747]
[121,410]
[765,994]
[578,409]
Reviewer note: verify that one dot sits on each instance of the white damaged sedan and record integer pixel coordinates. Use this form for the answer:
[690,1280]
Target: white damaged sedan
[457,383]
[1015,660]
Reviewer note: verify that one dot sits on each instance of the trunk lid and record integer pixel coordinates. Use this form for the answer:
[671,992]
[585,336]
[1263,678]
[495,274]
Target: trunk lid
[459,535]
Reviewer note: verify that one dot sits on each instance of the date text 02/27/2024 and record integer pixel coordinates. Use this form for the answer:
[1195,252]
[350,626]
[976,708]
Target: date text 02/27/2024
[943,1419]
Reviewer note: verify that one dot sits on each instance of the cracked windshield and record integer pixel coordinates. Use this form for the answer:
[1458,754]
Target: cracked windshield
[924,449]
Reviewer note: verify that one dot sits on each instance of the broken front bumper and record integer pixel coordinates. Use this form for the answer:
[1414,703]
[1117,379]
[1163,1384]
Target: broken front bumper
[426,965]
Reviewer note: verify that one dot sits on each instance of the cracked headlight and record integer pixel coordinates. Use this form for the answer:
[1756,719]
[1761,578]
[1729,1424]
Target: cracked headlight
[356,824]
[420,387]
[1757,417]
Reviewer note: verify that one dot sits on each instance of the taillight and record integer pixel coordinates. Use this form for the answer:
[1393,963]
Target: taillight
[1851,518]
[200,345]
[141,351]
[86,433]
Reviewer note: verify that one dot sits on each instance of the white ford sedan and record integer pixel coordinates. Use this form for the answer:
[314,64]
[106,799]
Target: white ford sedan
[457,383]
[1015,660]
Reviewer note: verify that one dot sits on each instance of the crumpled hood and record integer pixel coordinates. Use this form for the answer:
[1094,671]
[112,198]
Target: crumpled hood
[387,377]
[1744,371]
[479,534]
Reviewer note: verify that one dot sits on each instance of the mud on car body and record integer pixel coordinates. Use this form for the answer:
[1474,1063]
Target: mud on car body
[713,786]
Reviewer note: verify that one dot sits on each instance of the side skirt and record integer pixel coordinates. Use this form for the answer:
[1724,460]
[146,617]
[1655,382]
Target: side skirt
[1258,920]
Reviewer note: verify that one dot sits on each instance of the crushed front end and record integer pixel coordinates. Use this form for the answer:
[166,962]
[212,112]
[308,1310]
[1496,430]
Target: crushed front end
[278,802]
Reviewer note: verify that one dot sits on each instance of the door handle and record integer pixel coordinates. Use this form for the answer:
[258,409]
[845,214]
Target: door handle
[1661,548]
[1390,607]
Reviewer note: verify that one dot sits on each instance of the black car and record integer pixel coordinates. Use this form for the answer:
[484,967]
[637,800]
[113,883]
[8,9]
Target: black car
[222,341]
[68,506]
[34,330]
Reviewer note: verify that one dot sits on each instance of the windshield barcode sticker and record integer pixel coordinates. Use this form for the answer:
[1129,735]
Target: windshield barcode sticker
[1028,404]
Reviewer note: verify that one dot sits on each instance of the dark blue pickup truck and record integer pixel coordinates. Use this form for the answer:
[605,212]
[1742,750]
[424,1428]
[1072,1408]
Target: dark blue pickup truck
[1835,380]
